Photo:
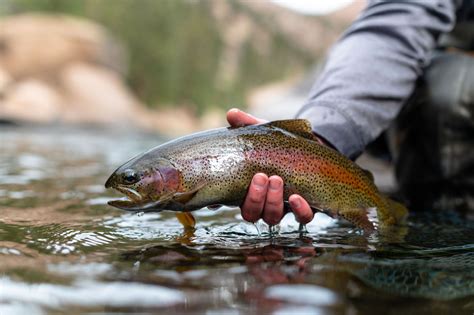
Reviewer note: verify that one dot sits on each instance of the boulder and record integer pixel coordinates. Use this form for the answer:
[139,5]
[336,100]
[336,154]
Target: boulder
[31,100]
[61,69]
[38,44]
[96,95]
[5,80]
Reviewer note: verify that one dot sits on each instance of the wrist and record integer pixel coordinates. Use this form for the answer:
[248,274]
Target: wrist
[323,141]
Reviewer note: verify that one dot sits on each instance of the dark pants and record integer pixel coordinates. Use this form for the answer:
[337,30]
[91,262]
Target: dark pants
[433,141]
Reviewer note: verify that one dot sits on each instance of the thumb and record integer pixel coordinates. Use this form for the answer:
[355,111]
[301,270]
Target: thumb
[238,118]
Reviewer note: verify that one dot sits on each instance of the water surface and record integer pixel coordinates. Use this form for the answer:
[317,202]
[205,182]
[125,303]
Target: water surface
[62,249]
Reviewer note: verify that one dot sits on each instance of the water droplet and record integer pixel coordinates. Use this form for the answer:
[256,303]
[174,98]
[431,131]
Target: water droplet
[302,229]
[258,231]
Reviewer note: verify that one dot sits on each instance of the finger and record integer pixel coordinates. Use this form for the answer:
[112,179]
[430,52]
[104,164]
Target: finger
[273,210]
[255,200]
[238,118]
[301,209]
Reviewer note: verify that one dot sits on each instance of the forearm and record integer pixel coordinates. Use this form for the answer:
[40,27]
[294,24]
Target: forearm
[373,69]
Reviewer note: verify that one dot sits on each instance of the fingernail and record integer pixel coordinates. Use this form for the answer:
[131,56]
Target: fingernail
[259,181]
[275,184]
[235,110]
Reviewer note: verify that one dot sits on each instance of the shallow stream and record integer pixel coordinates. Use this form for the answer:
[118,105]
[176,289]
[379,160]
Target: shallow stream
[62,249]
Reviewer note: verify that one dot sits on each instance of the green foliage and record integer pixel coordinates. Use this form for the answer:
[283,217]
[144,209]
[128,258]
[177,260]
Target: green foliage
[175,48]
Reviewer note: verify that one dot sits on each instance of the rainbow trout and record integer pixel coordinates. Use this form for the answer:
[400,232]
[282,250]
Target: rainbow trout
[215,167]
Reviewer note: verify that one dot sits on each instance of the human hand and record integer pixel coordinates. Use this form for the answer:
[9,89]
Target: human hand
[265,194]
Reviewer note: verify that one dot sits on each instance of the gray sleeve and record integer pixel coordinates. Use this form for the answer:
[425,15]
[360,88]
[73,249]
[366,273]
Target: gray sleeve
[372,70]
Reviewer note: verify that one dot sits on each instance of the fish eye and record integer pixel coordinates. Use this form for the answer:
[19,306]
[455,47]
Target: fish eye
[130,176]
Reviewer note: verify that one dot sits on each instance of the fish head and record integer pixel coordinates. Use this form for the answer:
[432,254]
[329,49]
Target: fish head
[147,183]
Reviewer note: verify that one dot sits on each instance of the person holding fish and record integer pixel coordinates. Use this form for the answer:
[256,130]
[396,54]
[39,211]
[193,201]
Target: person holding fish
[404,65]
[392,67]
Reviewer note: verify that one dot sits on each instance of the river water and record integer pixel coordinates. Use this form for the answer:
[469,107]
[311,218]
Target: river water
[62,249]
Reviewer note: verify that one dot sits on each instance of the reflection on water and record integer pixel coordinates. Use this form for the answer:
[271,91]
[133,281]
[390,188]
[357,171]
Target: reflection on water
[62,248]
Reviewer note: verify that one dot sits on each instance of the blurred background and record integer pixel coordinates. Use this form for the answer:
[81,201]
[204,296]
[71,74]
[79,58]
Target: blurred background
[171,66]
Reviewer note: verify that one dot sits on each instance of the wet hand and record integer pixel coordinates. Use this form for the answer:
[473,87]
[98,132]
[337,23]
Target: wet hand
[238,118]
[265,194]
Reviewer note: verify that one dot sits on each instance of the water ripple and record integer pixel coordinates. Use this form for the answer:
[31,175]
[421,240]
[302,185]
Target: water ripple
[88,294]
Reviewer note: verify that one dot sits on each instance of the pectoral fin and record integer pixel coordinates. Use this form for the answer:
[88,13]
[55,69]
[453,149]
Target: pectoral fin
[186,219]
[186,196]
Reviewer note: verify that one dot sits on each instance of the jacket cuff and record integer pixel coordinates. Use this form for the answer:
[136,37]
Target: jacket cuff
[335,127]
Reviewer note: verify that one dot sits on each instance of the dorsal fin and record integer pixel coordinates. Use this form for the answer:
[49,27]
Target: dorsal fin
[300,127]
[369,174]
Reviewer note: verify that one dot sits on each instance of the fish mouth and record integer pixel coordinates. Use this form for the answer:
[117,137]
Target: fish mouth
[132,194]
[132,201]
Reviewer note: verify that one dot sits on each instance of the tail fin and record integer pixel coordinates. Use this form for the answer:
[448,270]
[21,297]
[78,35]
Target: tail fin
[399,211]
